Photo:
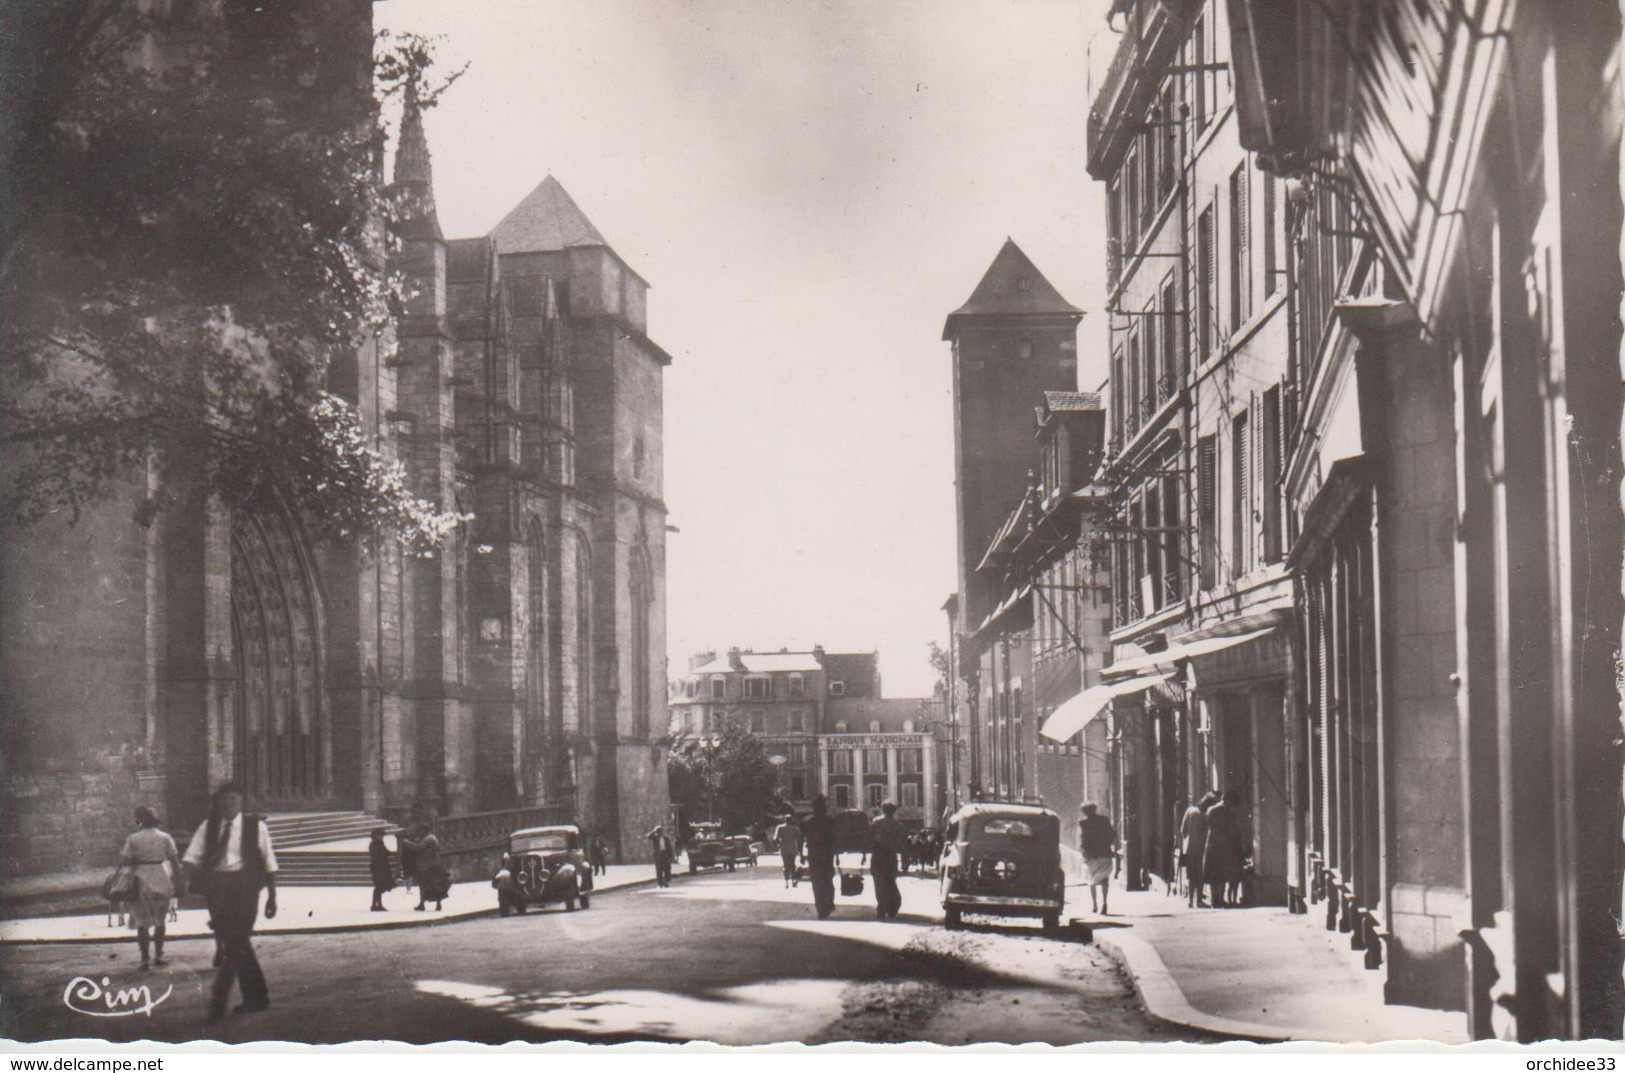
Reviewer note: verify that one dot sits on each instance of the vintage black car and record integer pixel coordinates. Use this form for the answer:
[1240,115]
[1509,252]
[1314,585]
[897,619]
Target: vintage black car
[709,848]
[544,866]
[1003,860]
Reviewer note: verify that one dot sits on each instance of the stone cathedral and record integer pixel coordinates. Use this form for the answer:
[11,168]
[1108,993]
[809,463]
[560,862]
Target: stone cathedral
[519,668]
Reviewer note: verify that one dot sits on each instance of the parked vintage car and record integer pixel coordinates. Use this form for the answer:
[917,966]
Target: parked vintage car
[1003,860]
[743,850]
[544,866]
[708,847]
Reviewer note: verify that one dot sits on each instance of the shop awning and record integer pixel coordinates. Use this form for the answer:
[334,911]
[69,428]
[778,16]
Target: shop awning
[1168,657]
[1082,709]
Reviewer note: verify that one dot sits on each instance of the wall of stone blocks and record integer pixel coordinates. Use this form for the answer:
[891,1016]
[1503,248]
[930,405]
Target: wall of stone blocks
[1424,865]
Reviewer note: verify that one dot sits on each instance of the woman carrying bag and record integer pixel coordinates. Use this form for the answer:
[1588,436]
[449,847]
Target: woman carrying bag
[151,857]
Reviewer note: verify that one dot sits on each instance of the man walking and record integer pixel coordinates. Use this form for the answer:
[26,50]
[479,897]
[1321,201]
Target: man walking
[231,859]
[790,850]
[820,836]
[1097,840]
[660,843]
[886,839]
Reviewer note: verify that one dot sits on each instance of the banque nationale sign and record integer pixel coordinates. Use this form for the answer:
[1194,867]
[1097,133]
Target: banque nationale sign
[869,741]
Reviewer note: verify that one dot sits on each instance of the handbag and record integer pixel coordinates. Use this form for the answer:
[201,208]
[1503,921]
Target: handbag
[121,886]
[851,884]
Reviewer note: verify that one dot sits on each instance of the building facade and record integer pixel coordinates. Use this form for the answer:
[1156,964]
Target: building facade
[1197,297]
[811,709]
[1030,619]
[1044,645]
[515,668]
[1400,611]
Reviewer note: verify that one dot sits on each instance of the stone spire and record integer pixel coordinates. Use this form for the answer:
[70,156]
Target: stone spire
[414,174]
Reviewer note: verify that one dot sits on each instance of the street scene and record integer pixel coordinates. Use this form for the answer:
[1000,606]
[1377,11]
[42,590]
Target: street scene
[740,960]
[811,522]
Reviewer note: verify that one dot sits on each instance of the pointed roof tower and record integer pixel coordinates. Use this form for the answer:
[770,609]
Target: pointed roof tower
[547,219]
[1012,286]
[414,174]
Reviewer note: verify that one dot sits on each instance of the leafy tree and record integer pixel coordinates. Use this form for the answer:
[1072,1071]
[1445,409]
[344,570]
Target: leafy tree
[942,663]
[195,244]
[726,777]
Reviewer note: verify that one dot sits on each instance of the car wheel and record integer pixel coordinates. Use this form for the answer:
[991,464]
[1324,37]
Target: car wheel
[950,917]
[1052,923]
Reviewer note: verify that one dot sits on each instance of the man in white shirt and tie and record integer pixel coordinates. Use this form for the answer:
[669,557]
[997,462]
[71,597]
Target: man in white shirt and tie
[231,858]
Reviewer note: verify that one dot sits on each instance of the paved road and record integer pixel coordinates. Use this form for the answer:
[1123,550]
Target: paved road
[733,958]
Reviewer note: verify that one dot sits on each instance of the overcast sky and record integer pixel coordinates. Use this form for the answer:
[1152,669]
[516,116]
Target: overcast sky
[810,188]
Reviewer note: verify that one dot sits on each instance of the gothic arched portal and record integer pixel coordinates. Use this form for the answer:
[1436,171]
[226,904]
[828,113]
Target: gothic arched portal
[283,737]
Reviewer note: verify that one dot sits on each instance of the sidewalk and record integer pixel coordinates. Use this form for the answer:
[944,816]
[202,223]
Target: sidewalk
[1261,974]
[304,910]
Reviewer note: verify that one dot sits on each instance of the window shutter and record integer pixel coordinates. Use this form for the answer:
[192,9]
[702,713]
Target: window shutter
[1207,460]
[1244,223]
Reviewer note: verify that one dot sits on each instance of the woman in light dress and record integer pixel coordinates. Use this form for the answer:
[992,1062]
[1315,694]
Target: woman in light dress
[150,854]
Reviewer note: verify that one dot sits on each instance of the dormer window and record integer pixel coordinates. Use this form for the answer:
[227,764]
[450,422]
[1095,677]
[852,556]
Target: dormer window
[908,726]
[874,726]
[798,686]
[758,688]
[719,687]
[840,727]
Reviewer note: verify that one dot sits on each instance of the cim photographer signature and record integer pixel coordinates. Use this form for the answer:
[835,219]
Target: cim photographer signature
[99,998]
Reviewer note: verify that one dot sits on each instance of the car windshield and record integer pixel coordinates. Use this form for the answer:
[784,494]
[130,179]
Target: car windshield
[1007,828]
[551,840]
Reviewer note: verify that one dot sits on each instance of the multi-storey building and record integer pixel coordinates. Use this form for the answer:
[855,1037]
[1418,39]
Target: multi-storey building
[1013,340]
[1399,248]
[872,750]
[1454,465]
[1199,354]
[819,714]
[778,696]
[1046,642]
[513,670]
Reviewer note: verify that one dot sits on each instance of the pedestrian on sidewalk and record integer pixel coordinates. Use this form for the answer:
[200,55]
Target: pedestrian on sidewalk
[1225,851]
[232,860]
[383,872]
[408,856]
[790,850]
[151,856]
[1097,841]
[664,852]
[1192,844]
[600,856]
[434,879]
[886,839]
[820,836]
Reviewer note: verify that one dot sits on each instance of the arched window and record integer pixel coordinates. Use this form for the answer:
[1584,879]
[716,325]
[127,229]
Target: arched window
[583,635]
[537,676]
[640,602]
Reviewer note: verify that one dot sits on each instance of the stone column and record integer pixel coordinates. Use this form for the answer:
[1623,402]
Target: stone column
[857,778]
[891,773]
